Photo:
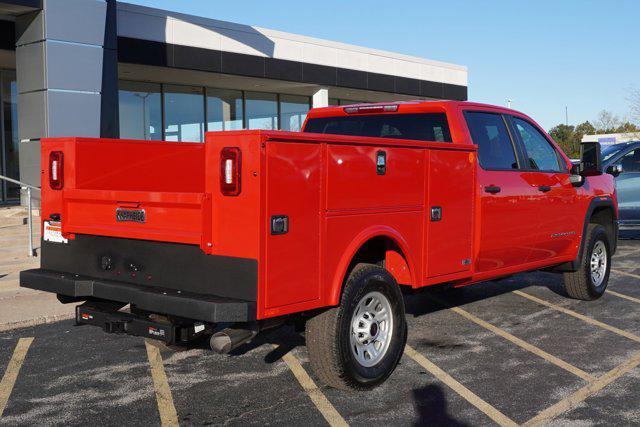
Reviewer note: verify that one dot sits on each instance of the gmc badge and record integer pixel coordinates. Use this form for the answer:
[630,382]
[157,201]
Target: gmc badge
[130,215]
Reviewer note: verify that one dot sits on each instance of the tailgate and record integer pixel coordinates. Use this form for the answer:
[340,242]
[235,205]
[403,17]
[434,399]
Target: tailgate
[131,189]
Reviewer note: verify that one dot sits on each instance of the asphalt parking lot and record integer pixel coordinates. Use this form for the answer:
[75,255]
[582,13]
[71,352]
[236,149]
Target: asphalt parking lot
[509,352]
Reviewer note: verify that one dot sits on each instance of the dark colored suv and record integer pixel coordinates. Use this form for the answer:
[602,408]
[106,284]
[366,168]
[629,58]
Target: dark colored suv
[628,182]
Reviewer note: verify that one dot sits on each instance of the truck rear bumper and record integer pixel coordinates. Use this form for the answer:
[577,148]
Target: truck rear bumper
[206,308]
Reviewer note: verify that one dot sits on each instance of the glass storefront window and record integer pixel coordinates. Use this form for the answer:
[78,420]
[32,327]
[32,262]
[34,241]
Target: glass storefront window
[333,102]
[224,109]
[262,110]
[140,110]
[9,164]
[293,111]
[183,113]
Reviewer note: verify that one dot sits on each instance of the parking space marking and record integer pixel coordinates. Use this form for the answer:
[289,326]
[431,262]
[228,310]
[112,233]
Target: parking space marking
[318,398]
[166,408]
[523,344]
[582,317]
[621,255]
[619,295]
[582,394]
[467,394]
[13,369]
[624,273]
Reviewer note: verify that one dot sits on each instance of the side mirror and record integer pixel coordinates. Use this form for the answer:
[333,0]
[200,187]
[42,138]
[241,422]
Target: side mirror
[590,159]
[575,178]
[615,170]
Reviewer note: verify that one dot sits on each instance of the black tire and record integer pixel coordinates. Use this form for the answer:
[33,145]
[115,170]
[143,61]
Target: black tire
[328,334]
[580,284]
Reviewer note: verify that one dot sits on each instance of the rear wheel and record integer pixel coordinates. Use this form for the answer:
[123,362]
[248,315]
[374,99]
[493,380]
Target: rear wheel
[358,344]
[590,281]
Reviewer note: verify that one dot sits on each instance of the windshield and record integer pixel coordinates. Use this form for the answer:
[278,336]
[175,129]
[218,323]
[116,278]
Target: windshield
[611,150]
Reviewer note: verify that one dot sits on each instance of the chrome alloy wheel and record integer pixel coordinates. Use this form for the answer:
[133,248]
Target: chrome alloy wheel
[598,263]
[371,329]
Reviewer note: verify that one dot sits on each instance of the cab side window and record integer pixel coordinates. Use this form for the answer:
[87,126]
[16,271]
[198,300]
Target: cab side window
[540,153]
[489,132]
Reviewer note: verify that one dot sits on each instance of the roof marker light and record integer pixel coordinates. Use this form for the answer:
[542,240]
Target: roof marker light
[363,109]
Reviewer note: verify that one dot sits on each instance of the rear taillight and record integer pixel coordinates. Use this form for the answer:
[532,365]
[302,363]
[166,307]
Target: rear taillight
[230,171]
[56,170]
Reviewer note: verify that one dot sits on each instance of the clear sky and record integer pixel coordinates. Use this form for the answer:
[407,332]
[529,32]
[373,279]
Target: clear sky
[544,54]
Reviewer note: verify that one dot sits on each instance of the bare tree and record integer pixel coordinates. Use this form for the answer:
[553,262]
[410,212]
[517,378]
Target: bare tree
[634,101]
[607,122]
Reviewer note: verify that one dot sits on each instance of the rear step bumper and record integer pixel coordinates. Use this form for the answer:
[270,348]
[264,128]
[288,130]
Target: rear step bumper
[206,308]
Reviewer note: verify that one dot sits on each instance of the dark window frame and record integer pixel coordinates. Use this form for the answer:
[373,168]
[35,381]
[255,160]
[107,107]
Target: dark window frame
[562,167]
[510,133]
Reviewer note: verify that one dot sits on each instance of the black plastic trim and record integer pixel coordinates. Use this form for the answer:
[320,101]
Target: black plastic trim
[207,308]
[147,52]
[176,266]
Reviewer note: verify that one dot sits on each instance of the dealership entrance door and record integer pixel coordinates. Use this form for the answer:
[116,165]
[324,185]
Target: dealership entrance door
[9,142]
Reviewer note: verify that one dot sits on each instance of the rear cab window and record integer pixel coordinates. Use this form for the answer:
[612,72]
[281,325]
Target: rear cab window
[421,127]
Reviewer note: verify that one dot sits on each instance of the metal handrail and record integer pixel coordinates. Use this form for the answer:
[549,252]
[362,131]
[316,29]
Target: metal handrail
[28,187]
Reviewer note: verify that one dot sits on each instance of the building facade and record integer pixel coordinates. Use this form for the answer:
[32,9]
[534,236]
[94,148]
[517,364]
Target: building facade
[101,68]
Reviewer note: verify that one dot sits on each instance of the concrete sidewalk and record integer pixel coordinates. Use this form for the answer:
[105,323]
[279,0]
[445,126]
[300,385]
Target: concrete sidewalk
[21,307]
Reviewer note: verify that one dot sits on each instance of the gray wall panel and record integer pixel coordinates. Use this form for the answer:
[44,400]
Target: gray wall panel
[32,123]
[30,28]
[73,114]
[79,21]
[30,164]
[30,63]
[74,67]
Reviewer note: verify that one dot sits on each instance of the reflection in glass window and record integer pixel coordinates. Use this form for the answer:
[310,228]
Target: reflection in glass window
[262,110]
[541,155]
[350,102]
[9,93]
[183,113]
[140,111]
[293,111]
[334,102]
[224,109]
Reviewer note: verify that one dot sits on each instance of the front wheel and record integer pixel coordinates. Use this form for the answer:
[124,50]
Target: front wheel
[358,344]
[590,281]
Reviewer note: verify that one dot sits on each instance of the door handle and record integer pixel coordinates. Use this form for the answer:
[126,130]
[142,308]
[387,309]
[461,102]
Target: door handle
[544,188]
[493,189]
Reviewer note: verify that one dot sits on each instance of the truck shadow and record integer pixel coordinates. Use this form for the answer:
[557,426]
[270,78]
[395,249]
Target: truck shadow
[441,297]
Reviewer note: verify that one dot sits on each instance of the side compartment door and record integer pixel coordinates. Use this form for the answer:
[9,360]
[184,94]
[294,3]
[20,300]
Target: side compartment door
[292,231]
[451,196]
[506,218]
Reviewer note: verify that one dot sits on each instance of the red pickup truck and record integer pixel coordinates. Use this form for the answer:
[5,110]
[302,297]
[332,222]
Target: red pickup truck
[321,228]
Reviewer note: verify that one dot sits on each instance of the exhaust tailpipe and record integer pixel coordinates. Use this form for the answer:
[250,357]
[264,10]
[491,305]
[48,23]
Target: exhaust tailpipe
[228,339]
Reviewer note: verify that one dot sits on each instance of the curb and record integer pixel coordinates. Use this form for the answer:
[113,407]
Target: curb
[35,322]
